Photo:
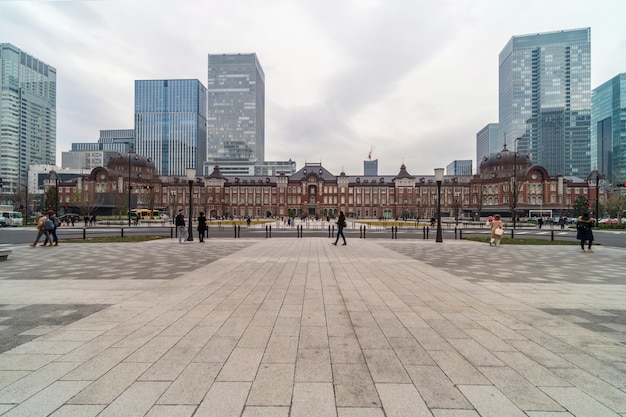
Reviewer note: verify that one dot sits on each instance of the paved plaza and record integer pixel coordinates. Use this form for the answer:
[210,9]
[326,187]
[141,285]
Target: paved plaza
[297,327]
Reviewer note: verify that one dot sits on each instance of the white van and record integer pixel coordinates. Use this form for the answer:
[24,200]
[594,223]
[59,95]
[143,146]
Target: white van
[13,218]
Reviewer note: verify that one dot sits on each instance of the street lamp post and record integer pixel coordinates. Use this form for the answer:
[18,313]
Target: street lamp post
[129,186]
[439,179]
[191,177]
[515,182]
[54,176]
[596,176]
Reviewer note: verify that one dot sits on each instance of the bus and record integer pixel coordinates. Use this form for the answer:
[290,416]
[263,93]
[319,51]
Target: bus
[144,214]
[13,218]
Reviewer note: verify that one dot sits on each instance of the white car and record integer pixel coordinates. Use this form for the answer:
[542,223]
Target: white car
[3,222]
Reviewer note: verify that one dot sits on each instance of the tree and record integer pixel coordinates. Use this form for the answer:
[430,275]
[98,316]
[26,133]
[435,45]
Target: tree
[82,200]
[456,207]
[581,206]
[50,198]
[150,198]
[616,205]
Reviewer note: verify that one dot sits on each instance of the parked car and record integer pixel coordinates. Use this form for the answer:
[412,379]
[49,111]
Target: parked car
[608,221]
[3,222]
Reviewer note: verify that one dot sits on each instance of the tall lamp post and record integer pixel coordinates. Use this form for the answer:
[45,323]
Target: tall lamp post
[439,179]
[191,177]
[596,176]
[136,157]
[55,177]
[515,182]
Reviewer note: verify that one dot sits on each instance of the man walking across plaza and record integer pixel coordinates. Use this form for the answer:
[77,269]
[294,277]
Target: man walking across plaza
[180,227]
[41,228]
[53,233]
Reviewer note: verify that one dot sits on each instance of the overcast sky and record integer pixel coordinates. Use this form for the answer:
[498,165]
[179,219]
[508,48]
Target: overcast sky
[415,79]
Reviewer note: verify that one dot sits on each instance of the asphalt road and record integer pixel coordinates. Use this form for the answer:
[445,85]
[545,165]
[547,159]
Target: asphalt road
[23,235]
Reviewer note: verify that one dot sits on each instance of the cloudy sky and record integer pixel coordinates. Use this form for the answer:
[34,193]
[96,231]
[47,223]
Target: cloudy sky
[415,79]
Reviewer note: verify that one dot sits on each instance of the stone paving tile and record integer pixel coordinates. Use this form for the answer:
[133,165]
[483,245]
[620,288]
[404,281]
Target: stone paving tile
[519,390]
[489,401]
[192,384]
[313,365]
[436,388]
[136,401]
[108,387]
[171,411]
[607,394]
[78,411]
[313,399]
[579,403]
[272,386]
[47,400]
[402,400]
[354,386]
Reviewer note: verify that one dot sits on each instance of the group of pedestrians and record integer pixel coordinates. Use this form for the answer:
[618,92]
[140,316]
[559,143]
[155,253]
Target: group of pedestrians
[47,226]
[181,229]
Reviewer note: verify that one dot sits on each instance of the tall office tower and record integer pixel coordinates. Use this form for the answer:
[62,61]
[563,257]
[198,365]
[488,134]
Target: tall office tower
[608,129]
[235,109]
[122,140]
[117,140]
[28,116]
[460,167]
[545,99]
[370,168]
[170,124]
[487,142]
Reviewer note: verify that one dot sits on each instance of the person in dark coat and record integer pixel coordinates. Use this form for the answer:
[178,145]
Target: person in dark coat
[201,226]
[341,223]
[584,232]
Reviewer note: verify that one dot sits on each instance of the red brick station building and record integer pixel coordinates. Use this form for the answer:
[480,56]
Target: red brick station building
[315,191]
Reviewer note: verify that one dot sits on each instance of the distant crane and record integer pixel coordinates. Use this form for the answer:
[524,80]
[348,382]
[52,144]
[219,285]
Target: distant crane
[369,154]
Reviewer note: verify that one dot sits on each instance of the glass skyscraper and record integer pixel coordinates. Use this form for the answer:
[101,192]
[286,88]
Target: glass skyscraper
[487,142]
[235,109]
[170,124]
[545,99]
[28,115]
[608,129]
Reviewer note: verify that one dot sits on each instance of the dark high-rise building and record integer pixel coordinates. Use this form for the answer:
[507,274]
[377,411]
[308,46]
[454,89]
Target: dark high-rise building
[545,99]
[608,129]
[28,115]
[170,124]
[235,110]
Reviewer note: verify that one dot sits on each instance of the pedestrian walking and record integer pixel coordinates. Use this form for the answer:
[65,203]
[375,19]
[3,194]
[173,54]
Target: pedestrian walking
[180,227]
[584,232]
[201,226]
[497,230]
[41,228]
[53,233]
[341,223]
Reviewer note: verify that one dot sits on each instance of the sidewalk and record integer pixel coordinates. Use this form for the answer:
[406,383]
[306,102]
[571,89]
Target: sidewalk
[301,328]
